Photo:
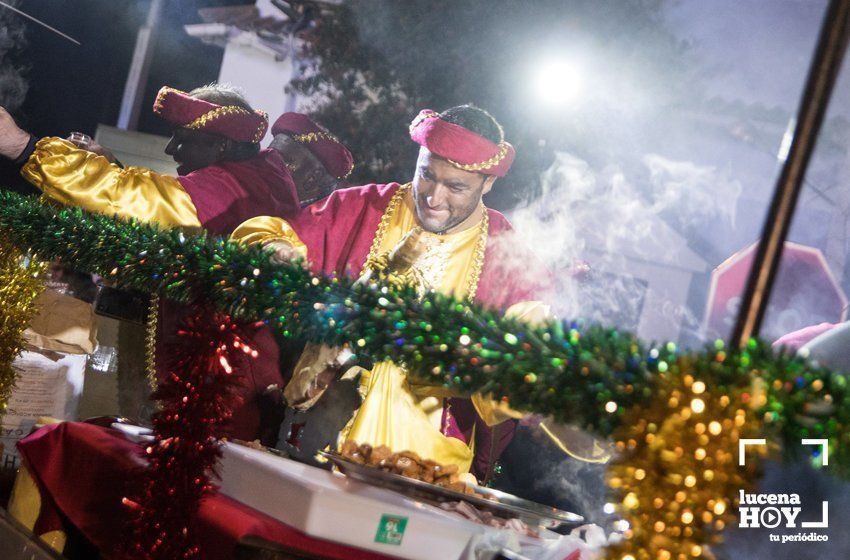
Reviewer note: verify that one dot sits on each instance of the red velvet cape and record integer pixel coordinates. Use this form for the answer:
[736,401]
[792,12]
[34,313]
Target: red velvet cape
[228,193]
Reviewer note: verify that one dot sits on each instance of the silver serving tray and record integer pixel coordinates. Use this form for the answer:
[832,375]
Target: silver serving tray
[499,503]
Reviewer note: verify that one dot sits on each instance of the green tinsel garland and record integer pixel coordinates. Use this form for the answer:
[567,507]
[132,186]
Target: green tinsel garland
[583,374]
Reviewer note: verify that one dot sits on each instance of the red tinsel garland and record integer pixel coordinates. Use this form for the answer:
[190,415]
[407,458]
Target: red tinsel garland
[197,398]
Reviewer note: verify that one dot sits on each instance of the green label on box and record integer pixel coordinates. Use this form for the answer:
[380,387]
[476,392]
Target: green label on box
[391,529]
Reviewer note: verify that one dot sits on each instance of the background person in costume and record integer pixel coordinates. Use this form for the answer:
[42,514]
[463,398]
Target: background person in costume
[436,232]
[318,161]
[224,179]
[319,164]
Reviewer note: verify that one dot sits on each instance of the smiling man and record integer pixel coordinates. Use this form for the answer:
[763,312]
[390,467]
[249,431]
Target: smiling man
[437,233]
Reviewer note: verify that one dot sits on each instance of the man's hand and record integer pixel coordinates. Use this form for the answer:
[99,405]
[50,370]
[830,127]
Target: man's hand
[92,146]
[401,258]
[408,249]
[13,140]
[317,386]
[283,252]
[317,367]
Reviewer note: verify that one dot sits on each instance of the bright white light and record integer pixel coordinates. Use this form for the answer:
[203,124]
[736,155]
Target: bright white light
[557,82]
[698,405]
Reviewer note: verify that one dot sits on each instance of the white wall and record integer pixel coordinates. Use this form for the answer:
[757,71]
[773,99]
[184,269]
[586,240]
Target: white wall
[137,148]
[254,68]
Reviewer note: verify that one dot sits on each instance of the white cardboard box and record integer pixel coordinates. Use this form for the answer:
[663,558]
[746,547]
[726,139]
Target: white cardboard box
[330,506]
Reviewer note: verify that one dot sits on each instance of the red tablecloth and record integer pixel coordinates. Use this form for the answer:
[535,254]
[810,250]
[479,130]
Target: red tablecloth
[82,472]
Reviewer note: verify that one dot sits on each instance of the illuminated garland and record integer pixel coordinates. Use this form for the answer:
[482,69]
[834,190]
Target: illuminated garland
[676,473]
[20,285]
[198,394]
[663,407]
[571,371]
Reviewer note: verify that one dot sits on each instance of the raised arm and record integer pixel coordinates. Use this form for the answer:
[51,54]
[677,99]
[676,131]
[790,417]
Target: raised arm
[73,176]
[76,177]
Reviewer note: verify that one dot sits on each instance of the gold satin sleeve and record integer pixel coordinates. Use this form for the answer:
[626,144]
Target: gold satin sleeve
[75,177]
[268,229]
[495,412]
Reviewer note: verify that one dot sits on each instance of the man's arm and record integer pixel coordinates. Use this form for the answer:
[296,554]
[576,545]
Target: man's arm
[13,139]
[272,233]
[77,177]
[10,174]
[26,153]
[311,228]
[94,147]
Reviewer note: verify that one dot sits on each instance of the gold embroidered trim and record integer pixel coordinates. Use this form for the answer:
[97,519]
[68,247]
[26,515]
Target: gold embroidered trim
[375,258]
[481,166]
[478,258]
[219,112]
[150,341]
[160,98]
[314,137]
[213,114]
[421,117]
[484,165]
[385,221]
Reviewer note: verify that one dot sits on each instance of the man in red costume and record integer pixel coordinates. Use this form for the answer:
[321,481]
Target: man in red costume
[224,179]
[317,160]
[224,176]
[437,232]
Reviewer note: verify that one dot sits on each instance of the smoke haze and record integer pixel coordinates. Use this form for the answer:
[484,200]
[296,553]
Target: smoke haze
[13,84]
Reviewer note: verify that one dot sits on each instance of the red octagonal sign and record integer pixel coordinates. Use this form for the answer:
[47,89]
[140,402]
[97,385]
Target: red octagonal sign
[804,293]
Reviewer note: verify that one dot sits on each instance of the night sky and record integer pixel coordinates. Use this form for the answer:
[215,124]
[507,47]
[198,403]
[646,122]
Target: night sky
[76,87]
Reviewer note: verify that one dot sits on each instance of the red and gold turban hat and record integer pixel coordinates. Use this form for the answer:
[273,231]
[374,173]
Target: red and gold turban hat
[325,146]
[237,123]
[462,148]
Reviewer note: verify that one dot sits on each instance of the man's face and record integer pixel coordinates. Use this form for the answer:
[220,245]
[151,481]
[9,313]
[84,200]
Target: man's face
[444,195]
[193,149]
[312,180]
